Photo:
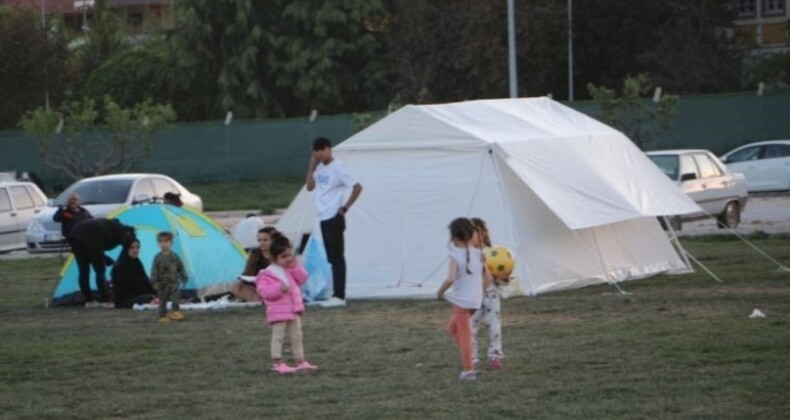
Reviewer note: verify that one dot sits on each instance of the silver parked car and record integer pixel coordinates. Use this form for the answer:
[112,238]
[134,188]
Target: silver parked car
[101,196]
[20,202]
[765,164]
[701,175]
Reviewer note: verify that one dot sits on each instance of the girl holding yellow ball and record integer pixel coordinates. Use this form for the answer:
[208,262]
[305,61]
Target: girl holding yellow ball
[490,311]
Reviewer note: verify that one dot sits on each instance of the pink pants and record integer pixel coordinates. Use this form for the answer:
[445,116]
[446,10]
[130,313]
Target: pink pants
[460,328]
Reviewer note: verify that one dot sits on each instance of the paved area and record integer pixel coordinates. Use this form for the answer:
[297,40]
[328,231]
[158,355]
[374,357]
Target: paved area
[766,212]
[769,213]
[229,219]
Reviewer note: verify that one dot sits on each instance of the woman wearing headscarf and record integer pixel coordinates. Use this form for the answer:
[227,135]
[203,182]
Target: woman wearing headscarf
[130,283]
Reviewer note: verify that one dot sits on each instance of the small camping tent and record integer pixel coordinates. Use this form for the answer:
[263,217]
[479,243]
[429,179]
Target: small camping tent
[210,256]
[574,198]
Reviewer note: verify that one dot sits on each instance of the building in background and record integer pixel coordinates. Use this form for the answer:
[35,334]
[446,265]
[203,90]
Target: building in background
[78,14]
[762,25]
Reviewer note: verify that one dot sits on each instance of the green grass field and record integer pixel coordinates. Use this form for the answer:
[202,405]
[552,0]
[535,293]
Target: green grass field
[266,195]
[674,347]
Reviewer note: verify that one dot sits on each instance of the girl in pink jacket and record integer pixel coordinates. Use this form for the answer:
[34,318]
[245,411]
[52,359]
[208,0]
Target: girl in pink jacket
[278,286]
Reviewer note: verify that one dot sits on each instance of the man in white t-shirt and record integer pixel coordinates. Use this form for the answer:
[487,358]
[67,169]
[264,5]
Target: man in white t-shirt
[329,180]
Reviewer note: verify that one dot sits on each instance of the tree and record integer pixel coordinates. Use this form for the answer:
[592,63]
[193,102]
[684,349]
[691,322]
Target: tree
[81,140]
[638,118]
[690,52]
[102,41]
[33,64]
[453,51]
[773,70]
[216,59]
[542,41]
[609,36]
[326,55]
[130,77]
[284,59]
[680,43]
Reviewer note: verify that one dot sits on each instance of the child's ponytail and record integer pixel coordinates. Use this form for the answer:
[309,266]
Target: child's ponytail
[463,229]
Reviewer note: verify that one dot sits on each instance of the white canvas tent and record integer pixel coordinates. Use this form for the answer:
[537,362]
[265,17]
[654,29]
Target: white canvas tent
[574,198]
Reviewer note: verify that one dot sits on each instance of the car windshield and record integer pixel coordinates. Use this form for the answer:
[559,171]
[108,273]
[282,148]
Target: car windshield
[112,191]
[667,163]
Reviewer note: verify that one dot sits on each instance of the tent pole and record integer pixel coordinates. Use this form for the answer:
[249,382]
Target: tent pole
[704,268]
[685,254]
[603,264]
[509,213]
[782,267]
[619,289]
[673,238]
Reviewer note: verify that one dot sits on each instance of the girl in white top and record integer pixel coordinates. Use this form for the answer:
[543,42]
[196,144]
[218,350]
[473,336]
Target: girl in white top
[490,310]
[464,288]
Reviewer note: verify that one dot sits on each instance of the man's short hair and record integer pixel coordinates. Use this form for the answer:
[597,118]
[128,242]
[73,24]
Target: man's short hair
[321,143]
[164,236]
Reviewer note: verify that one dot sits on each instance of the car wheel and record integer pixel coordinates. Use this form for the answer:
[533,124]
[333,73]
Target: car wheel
[730,217]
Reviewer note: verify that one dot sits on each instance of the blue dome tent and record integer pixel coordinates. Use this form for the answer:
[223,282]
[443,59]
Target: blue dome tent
[210,256]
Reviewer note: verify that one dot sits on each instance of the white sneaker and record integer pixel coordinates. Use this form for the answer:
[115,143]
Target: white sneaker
[468,375]
[333,302]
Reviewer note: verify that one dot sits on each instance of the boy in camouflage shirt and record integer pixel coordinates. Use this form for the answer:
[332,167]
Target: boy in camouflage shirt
[167,274]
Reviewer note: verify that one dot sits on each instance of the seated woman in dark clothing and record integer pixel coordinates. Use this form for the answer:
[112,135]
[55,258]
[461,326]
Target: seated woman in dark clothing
[130,283]
[258,259]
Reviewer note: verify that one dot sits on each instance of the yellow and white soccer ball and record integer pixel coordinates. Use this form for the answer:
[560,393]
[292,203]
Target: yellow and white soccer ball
[500,261]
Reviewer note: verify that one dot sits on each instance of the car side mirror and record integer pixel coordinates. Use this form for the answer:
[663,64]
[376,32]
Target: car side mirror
[688,177]
[141,198]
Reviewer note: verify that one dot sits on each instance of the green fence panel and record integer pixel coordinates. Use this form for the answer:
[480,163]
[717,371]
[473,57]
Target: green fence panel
[246,149]
[254,149]
[720,122]
[207,151]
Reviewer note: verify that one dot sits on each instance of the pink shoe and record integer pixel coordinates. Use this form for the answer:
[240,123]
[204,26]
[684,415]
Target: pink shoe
[305,365]
[282,368]
[495,363]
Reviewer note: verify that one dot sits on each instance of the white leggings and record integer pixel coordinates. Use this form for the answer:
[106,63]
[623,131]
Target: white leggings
[490,313]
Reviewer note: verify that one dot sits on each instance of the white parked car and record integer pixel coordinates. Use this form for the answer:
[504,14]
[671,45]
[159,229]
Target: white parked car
[102,195]
[765,164]
[701,175]
[20,202]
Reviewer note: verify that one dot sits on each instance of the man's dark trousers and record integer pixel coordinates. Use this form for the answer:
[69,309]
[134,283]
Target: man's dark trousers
[332,231]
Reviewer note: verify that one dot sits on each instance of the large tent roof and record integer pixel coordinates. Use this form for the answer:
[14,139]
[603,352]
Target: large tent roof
[588,173]
[476,124]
